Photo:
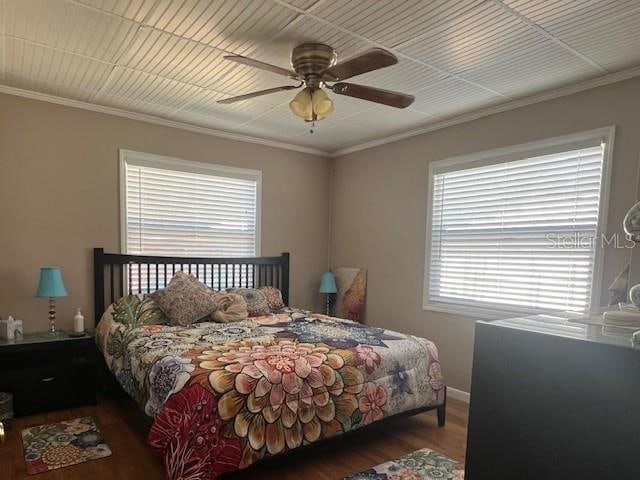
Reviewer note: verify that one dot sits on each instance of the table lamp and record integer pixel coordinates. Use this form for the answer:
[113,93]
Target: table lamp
[328,287]
[51,286]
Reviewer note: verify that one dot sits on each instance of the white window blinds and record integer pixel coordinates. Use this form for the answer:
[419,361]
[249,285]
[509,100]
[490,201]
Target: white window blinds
[184,211]
[517,235]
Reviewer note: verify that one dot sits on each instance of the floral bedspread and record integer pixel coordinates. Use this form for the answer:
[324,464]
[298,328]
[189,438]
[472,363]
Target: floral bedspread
[223,396]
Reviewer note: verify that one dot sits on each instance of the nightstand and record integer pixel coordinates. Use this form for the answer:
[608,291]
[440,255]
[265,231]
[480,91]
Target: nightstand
[48,373]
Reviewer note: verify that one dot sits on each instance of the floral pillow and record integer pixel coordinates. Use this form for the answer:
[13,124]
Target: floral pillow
[185,300]
[274,298]
[137,309]
[230,307]
[257,301]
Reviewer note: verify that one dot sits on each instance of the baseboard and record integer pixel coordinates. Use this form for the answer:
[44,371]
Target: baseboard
[458,394]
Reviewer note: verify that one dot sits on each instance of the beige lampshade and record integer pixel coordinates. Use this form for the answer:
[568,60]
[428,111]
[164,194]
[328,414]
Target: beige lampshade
[312,105]
[322,104]
[301,105]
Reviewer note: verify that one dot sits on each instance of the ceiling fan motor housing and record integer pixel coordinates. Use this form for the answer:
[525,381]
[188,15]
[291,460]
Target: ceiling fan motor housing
[310,60]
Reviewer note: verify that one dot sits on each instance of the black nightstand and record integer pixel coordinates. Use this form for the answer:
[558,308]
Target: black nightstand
[48,373]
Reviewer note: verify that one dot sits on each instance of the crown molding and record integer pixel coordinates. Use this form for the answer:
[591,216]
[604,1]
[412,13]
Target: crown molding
[456,120]
[499,108]
[67,102]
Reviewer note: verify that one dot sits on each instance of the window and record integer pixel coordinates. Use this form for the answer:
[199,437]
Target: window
[517,229]
[177,208]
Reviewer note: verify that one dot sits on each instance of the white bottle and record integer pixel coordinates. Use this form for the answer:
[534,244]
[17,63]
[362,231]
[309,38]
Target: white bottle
[78,322]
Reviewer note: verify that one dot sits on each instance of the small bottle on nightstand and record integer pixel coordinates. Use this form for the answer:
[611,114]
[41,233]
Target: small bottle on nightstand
[78,322]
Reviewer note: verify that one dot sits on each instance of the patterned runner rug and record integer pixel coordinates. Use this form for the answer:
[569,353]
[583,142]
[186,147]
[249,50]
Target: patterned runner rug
[57,445]
[422,464]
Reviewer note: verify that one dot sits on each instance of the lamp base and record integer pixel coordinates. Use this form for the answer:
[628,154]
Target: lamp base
[52,332]
[52,335]
[52,316]
[329,305]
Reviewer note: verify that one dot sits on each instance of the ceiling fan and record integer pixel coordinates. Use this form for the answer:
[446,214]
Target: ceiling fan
[315,66]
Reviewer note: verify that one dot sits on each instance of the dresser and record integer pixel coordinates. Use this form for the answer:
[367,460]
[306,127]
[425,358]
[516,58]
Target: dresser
[553,399]
[46,373]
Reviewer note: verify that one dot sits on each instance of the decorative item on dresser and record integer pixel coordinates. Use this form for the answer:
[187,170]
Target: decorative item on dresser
[631,222]
[628,314]
[44,372]
[619,288]
[51,286]
[328,288]
[631,226]
[553,399]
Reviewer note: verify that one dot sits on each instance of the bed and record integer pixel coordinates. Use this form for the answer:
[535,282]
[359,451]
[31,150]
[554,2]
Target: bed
[223,396]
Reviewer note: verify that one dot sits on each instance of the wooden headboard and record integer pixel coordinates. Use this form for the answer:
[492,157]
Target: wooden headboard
[117,275]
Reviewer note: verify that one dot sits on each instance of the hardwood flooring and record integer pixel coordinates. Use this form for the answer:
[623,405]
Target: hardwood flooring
[125,432]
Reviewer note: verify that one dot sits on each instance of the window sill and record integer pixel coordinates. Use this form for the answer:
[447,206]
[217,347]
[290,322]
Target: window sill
[479,313]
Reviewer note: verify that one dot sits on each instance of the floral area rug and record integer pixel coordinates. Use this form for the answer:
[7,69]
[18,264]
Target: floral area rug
[422,464]
[57,445]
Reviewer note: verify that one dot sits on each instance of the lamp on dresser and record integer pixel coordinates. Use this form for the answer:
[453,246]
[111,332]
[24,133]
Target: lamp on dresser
[51,286]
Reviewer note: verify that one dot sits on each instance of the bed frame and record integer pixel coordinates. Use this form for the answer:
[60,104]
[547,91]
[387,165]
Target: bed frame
[115,274]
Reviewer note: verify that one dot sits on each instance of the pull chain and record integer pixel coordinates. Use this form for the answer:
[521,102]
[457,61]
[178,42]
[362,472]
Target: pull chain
[313,125]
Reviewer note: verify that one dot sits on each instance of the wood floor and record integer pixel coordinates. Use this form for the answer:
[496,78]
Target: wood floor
[125,433]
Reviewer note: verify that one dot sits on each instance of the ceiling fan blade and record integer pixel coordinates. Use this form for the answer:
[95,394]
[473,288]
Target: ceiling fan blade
[373,59]
[246,96]
[377,95]
[262,65]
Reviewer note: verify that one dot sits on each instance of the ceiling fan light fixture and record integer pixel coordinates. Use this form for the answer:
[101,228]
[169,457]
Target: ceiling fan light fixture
[322,104]
[312,104]
[302,104]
